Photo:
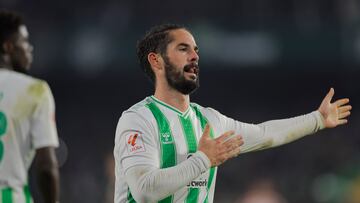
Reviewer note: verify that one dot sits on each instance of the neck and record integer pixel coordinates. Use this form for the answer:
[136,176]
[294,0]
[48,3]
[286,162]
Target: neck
[172,97]
[4,63]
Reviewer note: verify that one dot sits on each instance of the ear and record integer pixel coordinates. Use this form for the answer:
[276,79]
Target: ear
[155,61]
[7,47]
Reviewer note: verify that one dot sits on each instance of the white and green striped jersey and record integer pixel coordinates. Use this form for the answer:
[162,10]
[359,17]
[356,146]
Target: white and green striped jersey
[152,133]
[26,124]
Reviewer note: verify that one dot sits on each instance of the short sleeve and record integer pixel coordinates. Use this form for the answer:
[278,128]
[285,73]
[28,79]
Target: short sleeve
[135,142]
[43,126]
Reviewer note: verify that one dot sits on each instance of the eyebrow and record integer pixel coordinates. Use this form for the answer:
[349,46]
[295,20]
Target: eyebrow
[196,48]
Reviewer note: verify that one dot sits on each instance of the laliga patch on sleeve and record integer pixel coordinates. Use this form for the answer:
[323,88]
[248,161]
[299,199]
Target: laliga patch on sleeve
[134,142]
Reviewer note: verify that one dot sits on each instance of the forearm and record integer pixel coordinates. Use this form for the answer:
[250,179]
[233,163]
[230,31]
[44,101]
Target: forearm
[48,174]
[48,181]
[278,132]
[149,184]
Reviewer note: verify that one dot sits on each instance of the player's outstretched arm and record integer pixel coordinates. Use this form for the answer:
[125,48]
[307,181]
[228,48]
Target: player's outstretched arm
[48,174]
[335,113]
[278,132]
[150,184]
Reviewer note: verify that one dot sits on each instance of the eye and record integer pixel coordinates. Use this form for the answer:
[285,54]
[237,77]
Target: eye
[183,49]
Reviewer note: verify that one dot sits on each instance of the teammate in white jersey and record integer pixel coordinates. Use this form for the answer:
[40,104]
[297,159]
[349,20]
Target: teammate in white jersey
[27,119]
[168,149]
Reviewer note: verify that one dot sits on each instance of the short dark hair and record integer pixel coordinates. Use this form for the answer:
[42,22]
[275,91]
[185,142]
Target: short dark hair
[155,40]
[9,25]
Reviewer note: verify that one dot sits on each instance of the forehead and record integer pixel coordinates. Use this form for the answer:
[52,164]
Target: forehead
[23,32]
[180,36]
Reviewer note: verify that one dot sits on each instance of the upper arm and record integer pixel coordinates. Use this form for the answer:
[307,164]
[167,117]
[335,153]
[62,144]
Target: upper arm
[45,158]
[43,126]
[254,136]
[135,142]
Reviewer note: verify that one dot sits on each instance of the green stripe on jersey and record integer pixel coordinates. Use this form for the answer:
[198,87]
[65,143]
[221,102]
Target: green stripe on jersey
[27,194]
[6,194]
[189,134]
[193,193]
[130,197]
[203,122]
[167,146]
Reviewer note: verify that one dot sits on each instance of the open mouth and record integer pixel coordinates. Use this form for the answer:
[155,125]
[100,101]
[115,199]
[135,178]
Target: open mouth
[192,70]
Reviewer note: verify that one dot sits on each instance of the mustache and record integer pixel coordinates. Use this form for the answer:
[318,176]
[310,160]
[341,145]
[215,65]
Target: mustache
[191,65]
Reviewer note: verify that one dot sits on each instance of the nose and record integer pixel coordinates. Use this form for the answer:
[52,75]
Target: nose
[194,56]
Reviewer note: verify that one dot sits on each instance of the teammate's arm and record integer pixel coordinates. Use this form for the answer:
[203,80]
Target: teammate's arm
[47,174]
[45,140]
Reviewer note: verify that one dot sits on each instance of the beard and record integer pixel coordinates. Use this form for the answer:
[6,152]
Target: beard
[177,80]
[21,63]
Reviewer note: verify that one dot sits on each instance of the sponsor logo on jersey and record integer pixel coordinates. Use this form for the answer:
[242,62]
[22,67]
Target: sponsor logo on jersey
[166,138]
[135,143]
[198,183]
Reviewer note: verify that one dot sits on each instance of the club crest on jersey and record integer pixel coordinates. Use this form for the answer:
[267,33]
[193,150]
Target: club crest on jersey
[166,138]
[135,143]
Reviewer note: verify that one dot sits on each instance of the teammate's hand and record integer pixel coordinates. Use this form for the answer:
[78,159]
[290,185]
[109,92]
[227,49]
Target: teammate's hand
[222,148]
[334,114]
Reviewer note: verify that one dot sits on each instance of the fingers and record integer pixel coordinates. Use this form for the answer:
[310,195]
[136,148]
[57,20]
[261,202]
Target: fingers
[231,149]
[341,102]
[344,115]
[343,109]
[236,141]
[206,132]
[236,152]
[342,121]
[329,95]
[225,137]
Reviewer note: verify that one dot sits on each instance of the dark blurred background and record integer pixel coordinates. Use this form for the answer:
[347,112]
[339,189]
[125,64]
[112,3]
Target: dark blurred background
[259,60]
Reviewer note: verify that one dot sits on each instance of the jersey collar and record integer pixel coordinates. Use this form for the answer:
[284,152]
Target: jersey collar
[183,114]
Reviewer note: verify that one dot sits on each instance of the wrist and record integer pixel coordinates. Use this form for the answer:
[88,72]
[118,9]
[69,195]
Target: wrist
[205,159]
[320,119]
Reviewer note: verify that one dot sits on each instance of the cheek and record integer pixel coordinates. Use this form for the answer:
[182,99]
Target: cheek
[22,56]
[179,63]
[178,58]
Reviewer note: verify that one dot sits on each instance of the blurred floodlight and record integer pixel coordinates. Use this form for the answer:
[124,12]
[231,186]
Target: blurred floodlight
[89,51]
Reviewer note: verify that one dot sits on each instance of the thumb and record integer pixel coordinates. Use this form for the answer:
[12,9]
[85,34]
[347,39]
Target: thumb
[206,132]
[329,95]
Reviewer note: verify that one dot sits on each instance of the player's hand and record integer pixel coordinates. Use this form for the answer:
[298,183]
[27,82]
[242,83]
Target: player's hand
[335,113]
[222,148]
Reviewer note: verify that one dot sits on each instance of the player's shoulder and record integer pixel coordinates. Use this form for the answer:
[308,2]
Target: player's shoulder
[31,84]
[139,107]
[202,109]
[138,110]
[20,77]
[136,115]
